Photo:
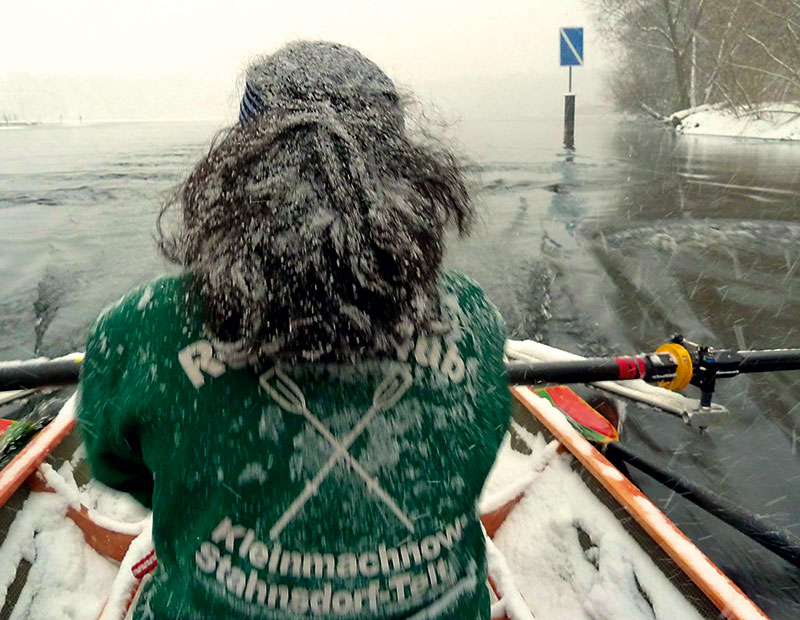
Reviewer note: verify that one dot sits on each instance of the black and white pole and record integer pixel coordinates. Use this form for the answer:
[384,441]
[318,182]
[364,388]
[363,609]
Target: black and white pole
[571,43]
[569,116]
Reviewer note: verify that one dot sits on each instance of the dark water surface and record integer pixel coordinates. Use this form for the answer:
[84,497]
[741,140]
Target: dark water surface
[608,250]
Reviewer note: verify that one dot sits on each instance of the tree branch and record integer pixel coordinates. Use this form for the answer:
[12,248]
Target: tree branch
[772,56]
[692,25]
[779,76]
[657,30]
[712,77]
[774,13]
[653,46]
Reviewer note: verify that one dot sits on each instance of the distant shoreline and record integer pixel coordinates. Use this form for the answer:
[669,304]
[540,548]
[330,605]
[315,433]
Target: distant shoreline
[103,121]
[767,121]
[18,124]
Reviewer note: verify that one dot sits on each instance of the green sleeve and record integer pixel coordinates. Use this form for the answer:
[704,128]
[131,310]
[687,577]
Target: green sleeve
[107,410]
[497,396]
[488,335]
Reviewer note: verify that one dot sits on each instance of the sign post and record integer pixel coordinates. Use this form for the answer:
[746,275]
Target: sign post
[571,42]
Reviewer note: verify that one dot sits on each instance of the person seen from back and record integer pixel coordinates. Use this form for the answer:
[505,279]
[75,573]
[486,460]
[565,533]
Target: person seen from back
[312,406]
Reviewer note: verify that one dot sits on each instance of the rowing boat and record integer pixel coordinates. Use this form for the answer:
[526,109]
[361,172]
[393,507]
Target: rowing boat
[568,535]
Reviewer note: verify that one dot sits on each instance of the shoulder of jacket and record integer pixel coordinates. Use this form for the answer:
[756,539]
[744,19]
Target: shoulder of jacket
[470,294]
[459,284]
[473,301]
[164,293]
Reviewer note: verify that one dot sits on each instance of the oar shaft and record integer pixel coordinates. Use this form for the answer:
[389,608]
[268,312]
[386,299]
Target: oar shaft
[38,373]
[781,542]
[650,367]
[575,371]
[767,361]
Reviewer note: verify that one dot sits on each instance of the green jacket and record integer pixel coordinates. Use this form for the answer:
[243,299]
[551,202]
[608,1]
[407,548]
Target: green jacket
[310,491]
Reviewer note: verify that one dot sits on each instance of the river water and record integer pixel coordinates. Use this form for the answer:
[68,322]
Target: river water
[608,249]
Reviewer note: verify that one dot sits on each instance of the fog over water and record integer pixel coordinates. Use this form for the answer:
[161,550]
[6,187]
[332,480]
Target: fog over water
[151,60]
[608,250]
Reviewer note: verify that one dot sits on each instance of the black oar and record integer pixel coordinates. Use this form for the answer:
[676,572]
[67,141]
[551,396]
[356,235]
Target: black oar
[659,366]
[651,367]
[37,373]
[782,543]
[706,366]
[589,370]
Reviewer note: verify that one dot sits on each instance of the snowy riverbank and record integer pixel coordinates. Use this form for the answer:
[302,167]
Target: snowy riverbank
[767,121]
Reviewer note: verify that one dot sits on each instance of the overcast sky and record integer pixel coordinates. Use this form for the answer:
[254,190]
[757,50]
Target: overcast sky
[441,49]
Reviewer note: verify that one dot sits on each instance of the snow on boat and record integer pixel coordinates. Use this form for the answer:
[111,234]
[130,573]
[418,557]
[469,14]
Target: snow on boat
[572,537]
[568,535]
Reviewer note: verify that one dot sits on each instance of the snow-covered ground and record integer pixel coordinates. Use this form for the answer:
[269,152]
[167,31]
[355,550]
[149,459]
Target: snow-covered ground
[538,546]
[768,121]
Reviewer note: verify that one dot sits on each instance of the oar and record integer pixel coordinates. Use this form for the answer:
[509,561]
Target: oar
[781,542]
[36,373]
[673,365]
[659,366]
[652,367]
[32,374]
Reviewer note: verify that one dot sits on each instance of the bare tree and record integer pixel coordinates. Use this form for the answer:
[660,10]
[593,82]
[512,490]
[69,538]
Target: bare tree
[652,28]
[673,54]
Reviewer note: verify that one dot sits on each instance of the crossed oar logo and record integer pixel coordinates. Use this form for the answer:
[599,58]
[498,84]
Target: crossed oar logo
[289,397]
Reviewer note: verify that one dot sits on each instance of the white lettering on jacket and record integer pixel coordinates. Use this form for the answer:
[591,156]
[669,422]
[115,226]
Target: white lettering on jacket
[428,353]
[433,351]
[238,566]
[198,358]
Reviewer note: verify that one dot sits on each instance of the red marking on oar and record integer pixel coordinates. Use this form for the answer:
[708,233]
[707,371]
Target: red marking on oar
[579,411]
[629,367]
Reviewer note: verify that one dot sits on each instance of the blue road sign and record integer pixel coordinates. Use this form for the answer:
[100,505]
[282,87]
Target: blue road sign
[571,46]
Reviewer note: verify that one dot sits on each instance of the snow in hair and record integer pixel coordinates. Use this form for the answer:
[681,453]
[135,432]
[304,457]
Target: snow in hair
[315,227]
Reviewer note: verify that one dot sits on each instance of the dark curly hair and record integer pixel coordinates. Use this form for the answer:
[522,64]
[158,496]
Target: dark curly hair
[315,227]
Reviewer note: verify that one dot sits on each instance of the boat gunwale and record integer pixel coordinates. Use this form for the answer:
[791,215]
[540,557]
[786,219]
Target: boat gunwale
[720,590]
[24,464]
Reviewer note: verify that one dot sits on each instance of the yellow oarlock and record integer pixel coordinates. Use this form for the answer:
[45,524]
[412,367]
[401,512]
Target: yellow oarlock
[683,372]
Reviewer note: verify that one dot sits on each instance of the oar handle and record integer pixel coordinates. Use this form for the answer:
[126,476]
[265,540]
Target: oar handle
[38,373]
